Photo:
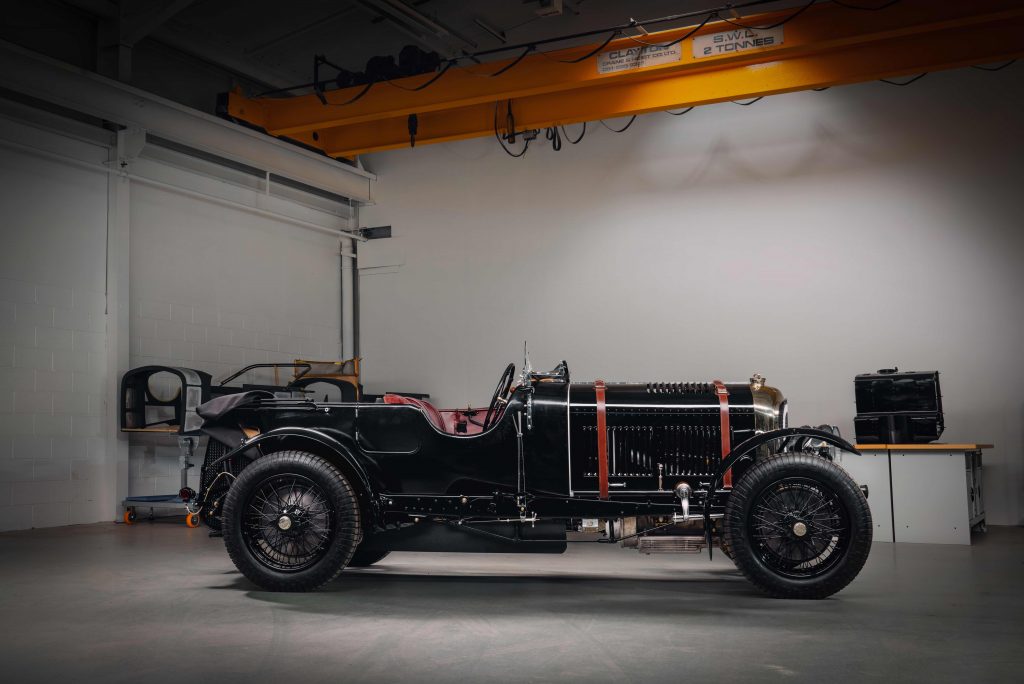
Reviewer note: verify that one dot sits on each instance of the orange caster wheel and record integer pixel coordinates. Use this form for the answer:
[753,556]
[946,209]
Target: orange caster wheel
[129,516]
[192,520]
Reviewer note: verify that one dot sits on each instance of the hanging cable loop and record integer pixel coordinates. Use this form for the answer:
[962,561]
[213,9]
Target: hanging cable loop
[555,137]
[529,48]
[904,83]
[612,36]
[619,130]
[781,22]
[1002,66]
[448,65]
[577,140]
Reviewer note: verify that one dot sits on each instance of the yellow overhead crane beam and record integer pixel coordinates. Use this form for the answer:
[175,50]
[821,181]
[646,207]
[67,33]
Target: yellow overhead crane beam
[827,45]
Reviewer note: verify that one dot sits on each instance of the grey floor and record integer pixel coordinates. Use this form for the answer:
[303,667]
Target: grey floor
[160,603]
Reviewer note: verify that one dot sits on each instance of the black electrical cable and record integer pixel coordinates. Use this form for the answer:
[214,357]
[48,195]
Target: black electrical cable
[685,111]
[510,123]
[529,48]
[781,22]
[555,137]
[577,140]
[748,102]
[358,96]
[904,83]
[612,36]
[678,40]
[613,32]
[570,140]
[448,65]
[818,90]
[619,130]
[532,46]
[998,68]
[622,27]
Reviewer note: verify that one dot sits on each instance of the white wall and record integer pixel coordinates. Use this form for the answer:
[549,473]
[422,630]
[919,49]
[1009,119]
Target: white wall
[216,288]
[809,237]
[211,287]
[53,221]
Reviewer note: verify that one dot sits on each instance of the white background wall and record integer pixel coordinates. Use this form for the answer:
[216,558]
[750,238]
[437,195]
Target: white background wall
[53,222]
[809,237]
[211,287]
[217,288]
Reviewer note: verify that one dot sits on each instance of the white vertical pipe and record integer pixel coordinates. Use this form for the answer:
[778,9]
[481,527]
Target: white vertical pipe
[347,299]
[115,461]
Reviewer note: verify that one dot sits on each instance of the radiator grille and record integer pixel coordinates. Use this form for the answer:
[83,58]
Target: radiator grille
[636,450]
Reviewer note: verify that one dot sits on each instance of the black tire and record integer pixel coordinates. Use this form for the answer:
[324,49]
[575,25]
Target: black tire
[365,557]
[323,515]
[798,526]
[725,548]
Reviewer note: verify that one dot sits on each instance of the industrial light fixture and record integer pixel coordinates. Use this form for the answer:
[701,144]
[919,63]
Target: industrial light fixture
[548,8]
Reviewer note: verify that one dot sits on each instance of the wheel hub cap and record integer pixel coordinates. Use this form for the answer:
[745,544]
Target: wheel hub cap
[284,522]
[799,529]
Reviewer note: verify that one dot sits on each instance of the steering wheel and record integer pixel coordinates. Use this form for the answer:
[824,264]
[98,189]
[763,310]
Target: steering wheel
[500,392]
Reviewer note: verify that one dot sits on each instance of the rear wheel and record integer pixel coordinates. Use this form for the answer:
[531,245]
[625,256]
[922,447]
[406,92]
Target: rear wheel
[798,526]
[291,521]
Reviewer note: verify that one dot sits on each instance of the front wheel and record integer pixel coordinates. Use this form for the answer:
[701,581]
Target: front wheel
[291,521]
[798,526]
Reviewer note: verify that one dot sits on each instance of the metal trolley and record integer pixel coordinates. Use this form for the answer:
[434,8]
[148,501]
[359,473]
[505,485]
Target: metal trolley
[184,499]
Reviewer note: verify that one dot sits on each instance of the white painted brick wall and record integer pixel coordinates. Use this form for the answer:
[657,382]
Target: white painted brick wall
[256,292]
[211,288]
[51,404]
[52,332]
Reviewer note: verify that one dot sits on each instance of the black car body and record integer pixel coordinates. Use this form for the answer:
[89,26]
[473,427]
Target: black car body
[661,467]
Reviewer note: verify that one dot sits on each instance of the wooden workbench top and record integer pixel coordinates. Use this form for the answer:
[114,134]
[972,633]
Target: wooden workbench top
[937,446]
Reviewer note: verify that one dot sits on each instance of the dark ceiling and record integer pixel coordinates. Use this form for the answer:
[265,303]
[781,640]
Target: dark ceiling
[189,50]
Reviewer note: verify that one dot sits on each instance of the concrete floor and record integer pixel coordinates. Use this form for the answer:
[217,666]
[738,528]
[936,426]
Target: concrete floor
[160,602]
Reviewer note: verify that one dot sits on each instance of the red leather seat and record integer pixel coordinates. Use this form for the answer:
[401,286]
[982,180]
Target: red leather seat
[432,414]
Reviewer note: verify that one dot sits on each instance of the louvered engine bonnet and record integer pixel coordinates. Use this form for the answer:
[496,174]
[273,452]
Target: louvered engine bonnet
[675,425]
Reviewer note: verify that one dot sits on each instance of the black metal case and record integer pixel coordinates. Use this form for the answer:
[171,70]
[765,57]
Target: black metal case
[896,407]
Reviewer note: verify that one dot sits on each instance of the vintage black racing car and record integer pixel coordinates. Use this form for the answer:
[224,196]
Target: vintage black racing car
[657,467]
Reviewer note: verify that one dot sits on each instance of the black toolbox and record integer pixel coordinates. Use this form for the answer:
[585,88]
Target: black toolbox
[896,407]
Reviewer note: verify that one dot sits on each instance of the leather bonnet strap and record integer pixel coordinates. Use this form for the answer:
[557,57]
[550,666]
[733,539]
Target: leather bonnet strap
[723,404]
[602,438]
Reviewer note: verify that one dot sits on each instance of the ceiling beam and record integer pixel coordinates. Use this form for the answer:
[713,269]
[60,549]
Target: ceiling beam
[137,25]
[827,45]
[83,91]
[183,41]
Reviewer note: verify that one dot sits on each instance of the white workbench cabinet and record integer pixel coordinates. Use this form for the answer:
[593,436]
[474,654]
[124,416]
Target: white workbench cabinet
[871,468]
[935,494]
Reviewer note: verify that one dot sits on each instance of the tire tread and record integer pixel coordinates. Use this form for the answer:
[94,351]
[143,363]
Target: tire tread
[322,572]
[759,475]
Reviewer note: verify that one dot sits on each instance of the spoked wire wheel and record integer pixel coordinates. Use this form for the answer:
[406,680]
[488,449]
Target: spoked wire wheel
[798,527]
[286,522]
[291,521]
